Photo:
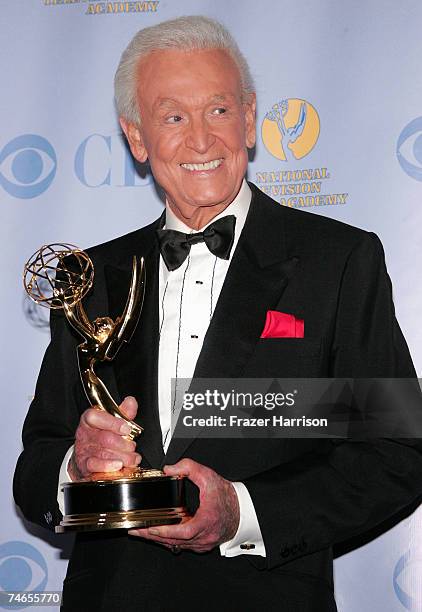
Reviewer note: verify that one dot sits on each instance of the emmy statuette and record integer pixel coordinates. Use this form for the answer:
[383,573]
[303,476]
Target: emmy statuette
[58,276]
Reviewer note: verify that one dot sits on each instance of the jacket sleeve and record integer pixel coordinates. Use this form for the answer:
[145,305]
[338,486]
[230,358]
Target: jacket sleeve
[323,499]
[49,427]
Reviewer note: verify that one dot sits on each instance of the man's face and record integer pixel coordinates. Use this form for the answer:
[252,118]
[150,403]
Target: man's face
[195,129]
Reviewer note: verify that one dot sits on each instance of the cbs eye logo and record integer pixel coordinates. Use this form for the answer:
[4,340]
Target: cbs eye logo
[406,580]
[28,165]
[36,316]
[22,568]
[409,149]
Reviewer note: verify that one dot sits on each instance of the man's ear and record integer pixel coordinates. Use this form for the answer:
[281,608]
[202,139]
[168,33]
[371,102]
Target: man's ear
[250,119]
[135,140]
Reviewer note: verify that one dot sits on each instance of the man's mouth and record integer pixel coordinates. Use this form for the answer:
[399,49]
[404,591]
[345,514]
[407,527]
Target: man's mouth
[211,165]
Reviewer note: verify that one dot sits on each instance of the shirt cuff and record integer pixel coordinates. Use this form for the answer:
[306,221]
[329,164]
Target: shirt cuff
[248,533]
[64,476]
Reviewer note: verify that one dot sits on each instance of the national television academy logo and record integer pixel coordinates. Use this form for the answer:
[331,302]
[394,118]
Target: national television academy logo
[290,129]
[90,7]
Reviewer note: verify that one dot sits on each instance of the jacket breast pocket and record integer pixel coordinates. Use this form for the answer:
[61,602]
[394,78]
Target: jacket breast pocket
[286,358]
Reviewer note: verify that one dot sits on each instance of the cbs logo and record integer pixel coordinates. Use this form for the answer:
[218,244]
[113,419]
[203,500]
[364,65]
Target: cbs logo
[28,164]
[22,568]
[406,580]
[409,149]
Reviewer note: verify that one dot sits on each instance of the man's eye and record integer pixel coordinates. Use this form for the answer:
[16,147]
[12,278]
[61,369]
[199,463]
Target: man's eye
[174,119]
[219,111]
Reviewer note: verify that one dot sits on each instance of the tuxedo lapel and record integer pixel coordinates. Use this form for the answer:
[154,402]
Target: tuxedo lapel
[255,281]
[136,365]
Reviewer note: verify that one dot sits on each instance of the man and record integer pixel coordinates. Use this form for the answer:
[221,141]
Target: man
[266,513]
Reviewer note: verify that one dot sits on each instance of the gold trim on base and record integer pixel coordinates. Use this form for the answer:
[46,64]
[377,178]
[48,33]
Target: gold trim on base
[125,475]
[133,519]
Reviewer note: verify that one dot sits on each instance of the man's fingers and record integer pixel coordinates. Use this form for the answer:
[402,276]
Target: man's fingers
[189,468]
[100,445]
[184,467]
[129,407]
[105,460]
[93,464]
[144,533]
[169,542]
[183,531]
[112,441]
[128,459]
[100,419]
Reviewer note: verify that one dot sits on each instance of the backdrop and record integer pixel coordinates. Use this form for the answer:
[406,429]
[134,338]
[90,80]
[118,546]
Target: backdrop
[339,134]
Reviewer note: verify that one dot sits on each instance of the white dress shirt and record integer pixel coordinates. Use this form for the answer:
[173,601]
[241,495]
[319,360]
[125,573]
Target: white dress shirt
[187,300]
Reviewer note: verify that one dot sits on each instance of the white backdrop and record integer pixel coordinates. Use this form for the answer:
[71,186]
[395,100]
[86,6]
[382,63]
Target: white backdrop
[345,74]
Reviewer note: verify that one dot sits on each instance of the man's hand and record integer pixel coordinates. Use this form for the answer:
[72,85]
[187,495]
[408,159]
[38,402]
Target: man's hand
[216,520]
[99,442]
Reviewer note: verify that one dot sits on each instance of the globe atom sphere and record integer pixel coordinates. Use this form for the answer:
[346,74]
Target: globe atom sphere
[58,273]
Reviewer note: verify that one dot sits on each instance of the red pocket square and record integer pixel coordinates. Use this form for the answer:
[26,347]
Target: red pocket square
[283,325]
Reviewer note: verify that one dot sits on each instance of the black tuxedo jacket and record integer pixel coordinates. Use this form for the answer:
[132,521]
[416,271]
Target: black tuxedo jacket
[308,494]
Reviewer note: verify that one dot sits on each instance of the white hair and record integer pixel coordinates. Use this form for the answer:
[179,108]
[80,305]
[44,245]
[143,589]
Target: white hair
[184,33]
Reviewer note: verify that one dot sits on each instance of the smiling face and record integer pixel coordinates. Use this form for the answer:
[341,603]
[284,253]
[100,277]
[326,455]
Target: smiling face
[195,129]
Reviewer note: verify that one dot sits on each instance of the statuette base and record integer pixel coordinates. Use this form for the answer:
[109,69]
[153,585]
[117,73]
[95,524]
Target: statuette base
[147,498]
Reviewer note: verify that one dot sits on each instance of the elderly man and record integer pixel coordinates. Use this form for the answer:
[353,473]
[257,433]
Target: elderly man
[265,513]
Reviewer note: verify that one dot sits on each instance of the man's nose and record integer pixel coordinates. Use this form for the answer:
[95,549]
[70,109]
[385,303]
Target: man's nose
[200,137]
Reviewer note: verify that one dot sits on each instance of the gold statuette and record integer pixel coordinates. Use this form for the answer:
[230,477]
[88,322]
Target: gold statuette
[58,276]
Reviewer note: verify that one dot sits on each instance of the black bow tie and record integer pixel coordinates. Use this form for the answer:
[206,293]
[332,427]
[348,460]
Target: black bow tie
[175,246]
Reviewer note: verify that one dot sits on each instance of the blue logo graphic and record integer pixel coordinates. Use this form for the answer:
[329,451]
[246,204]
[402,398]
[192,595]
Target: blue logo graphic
[400,570]
[409,149]
[27,166]
[106,161]
[22,568]
[36,316]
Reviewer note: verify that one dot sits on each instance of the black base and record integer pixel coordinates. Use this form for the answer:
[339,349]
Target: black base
[123,503]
